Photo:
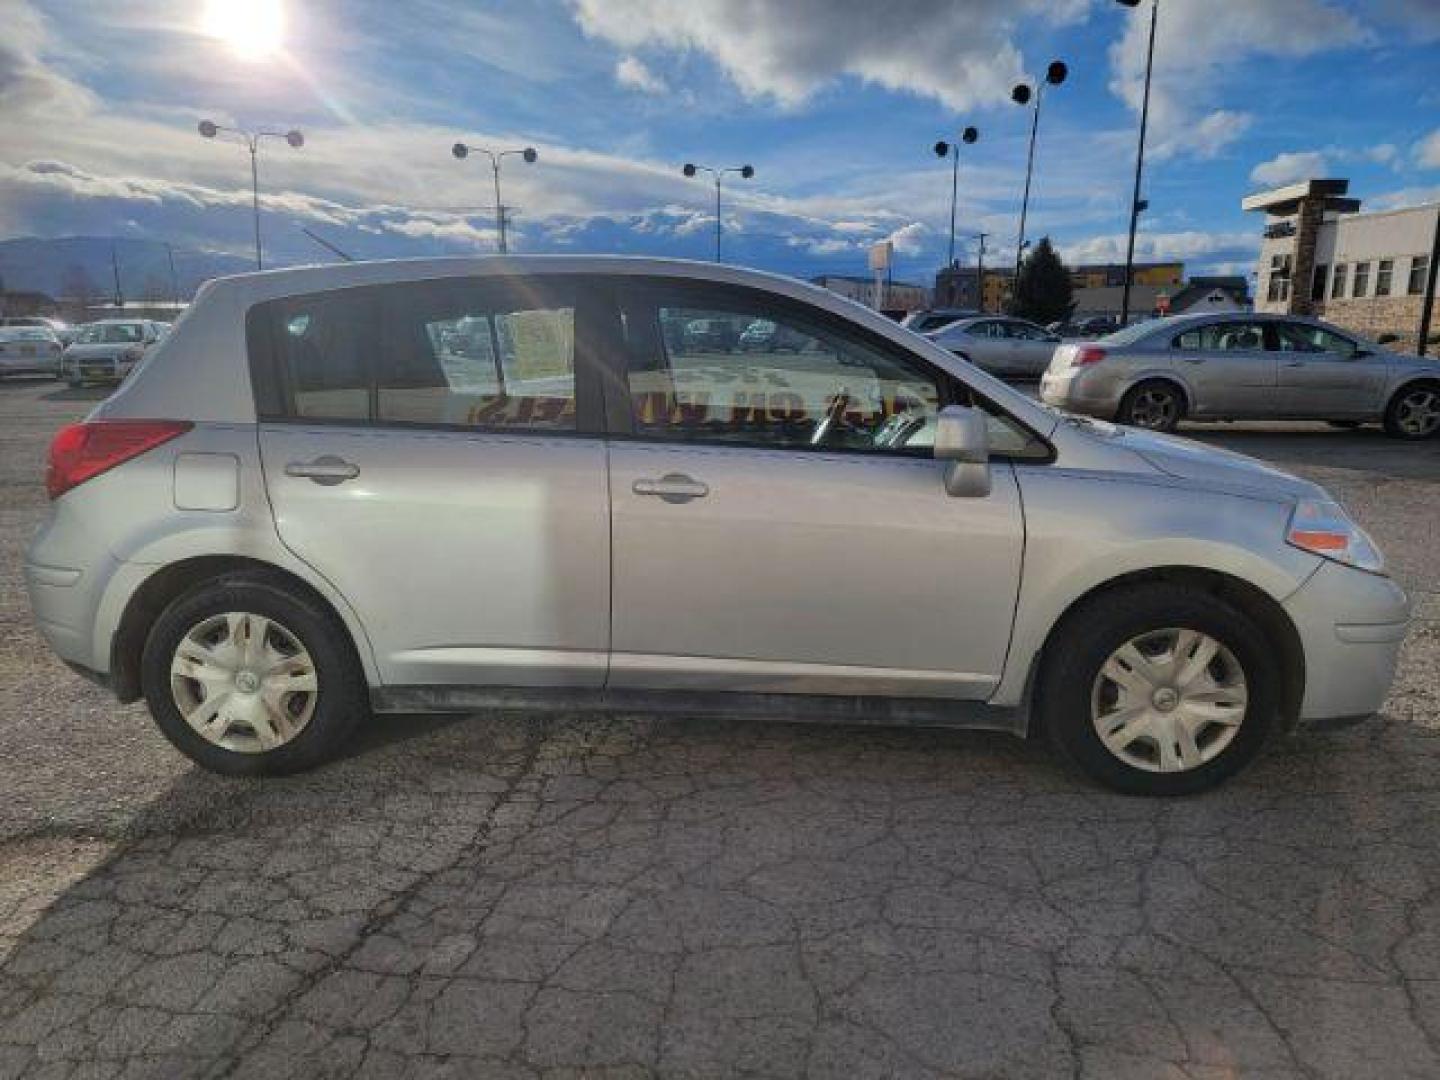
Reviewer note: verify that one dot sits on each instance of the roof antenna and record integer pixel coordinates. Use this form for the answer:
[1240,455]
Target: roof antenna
[326,244]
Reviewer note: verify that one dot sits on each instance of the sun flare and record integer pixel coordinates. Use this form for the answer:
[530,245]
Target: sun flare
[253,29]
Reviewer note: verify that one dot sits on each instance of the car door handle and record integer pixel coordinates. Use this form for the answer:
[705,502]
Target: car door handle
[672,487]
[327,470]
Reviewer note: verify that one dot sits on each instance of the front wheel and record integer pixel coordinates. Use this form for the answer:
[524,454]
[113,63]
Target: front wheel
[1155,406]
[1158,689]
[1414,412]
[246,677]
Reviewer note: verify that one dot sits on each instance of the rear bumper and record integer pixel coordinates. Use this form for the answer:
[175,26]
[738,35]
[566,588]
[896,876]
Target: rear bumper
[1068,389]
[1351,625]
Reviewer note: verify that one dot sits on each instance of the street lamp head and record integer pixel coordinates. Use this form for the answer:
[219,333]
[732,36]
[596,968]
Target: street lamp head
[208,128]
[688,170]
[460,150]
[942,148]
[529,155]
[1020,95]
[747,171]
[294,138]
[969,135]
[1056,72]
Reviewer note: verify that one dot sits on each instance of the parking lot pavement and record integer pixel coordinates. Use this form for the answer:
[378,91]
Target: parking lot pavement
[565,895]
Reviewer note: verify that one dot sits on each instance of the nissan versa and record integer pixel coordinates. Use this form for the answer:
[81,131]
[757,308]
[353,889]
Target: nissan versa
[460,484]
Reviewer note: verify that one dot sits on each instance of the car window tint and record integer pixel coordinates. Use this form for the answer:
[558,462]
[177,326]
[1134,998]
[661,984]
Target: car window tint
[1303,337]
[790,383]
[455,353]
[1222,337]
[322,348]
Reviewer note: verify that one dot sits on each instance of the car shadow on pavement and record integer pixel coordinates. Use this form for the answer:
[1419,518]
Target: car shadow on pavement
[711,897]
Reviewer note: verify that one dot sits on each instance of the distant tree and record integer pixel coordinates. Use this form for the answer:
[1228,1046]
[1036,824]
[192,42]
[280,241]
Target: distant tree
[1043,290]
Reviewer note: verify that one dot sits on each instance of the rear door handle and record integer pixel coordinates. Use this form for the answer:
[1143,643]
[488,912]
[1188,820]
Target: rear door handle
[328,470]
[672,487]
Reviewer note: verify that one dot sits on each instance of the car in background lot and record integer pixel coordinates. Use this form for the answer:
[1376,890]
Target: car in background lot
[767,335]
[29,350]
[1244,367]
[1008,347]
[923,322]
[62,330]
[1092,327]
[107,351]
[710,335]
[292,513]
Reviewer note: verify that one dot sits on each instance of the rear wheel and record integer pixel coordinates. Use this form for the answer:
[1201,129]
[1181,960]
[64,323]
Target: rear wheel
[246,677]
[1158,689]
[1414,412]
[1155,406]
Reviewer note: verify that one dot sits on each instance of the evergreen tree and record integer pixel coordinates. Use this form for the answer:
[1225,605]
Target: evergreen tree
[1043,291]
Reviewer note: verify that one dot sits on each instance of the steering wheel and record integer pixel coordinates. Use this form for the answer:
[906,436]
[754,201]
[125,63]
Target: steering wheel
[832,416]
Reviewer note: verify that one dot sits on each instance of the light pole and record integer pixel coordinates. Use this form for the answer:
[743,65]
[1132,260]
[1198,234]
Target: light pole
[1137,204]
[461,152]
[745,171]
[952,150]
[1022,95]
[209,129]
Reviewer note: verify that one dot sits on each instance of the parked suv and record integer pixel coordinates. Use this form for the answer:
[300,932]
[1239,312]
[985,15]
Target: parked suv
[109,349]
[297,511]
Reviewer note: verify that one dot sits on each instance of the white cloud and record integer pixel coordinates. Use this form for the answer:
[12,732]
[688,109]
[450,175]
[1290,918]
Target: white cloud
[1427,151]
[786,50]
[1290,167]
[1197,45]
[909,239]
[1191,246]
[1405,197]
[632,72]
[1382,154]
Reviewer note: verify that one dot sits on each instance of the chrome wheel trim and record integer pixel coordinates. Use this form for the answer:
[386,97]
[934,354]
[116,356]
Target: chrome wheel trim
[243,682]
[1169,700]
[1154,407]
[1418,412]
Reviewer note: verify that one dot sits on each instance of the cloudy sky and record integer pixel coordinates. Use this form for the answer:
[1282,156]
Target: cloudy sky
[836,103]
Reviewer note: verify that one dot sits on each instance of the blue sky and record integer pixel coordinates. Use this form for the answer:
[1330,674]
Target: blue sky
[835,102]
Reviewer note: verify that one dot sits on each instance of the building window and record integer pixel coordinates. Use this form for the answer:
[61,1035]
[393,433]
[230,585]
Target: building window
[1383,273]
[1318,283]
[1361,286]
[1279,289]
[1337,283]
[1419,271]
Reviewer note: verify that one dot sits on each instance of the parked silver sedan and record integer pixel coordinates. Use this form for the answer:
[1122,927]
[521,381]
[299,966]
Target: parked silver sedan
[298,510]
[29,350]
[1008,347]
[1244,367]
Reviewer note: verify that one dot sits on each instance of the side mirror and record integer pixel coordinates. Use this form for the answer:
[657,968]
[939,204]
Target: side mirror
[962,441]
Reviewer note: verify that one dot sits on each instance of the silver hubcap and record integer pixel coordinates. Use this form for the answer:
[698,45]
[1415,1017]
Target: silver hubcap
[243,682]
[1154,407]
[1169,700]
[1419,412]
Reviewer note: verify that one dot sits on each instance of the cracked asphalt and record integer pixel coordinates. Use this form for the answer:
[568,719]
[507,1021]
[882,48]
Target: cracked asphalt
[567,896]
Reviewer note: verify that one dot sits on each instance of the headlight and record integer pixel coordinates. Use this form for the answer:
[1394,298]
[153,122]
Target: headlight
[1322,527]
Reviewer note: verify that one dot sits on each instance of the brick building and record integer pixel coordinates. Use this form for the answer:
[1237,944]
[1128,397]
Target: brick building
[1365,271]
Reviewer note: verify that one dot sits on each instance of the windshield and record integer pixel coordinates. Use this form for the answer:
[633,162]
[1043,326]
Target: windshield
[111,334]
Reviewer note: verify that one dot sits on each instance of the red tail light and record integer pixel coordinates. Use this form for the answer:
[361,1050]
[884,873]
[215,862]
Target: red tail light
[82,452]
[1087,354]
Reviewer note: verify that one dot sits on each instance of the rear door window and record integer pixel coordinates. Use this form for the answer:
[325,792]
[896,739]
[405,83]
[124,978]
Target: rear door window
[1223,337]
[462,353]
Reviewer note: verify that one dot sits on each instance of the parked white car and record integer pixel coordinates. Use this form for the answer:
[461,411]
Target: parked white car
[109,349]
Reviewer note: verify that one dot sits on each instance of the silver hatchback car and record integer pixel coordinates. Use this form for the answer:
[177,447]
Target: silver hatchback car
[468,484]
[1244,367]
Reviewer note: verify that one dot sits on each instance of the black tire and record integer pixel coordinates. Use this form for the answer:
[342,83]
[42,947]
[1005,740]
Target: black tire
[1087,637]
[1396,425]
[1155,405]
[342,695]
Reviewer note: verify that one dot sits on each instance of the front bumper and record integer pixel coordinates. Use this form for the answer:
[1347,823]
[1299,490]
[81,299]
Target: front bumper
[1351,625]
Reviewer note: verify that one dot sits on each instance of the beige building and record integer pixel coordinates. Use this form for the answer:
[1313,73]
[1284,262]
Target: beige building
[1365,271]
[898,295]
